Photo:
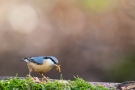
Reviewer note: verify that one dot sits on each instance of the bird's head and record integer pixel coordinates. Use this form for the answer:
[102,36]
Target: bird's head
[52,59]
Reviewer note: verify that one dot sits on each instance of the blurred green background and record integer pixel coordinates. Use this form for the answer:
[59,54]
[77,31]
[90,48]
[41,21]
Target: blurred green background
[94,39]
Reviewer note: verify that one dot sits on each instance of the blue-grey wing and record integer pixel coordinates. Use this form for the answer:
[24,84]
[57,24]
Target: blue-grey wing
[37,60]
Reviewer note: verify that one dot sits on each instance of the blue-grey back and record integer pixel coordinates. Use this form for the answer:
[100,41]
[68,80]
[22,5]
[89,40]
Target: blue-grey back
[41,59]
[38,60]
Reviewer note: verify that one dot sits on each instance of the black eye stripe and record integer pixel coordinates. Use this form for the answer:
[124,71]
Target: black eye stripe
[45,57]
[53,60]
[50,58]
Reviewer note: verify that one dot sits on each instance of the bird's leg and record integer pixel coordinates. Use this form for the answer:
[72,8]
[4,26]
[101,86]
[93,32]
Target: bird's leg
[35,79]
[30,70]
[29,73]
[43,77]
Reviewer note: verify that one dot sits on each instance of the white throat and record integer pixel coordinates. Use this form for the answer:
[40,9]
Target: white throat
[50,61]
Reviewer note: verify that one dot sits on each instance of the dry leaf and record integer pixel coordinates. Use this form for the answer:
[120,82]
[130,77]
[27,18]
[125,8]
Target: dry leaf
[58,68]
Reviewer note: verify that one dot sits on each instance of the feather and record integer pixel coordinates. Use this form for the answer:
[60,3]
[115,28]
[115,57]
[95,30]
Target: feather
[40,59]
[37,60]
[54,59]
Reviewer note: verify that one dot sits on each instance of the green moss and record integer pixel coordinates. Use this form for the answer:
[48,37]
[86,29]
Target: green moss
[17,83]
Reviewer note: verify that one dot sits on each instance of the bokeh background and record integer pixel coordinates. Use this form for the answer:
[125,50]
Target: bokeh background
[94,39]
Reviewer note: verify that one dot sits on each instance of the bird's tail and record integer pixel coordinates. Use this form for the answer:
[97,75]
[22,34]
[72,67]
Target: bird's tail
[25,59]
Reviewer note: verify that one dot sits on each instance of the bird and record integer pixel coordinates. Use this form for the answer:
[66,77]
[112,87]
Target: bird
[41,64]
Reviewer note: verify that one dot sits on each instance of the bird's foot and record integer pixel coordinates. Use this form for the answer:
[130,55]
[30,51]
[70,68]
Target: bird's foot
[45,79]
[29,76]
[35,79]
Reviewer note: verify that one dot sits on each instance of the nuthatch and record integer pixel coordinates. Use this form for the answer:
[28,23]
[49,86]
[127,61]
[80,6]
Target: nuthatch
[41,64]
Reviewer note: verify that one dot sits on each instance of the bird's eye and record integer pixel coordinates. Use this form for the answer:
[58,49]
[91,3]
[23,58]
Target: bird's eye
[45,58]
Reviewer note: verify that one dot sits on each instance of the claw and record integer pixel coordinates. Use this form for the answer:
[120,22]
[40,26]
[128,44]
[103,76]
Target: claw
[36,79]
[44,78]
